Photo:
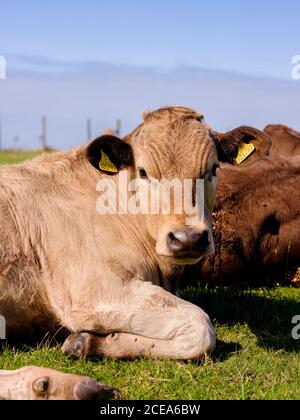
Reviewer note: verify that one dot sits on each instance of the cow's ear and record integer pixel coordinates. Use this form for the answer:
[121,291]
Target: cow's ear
[242,145]
[109,154]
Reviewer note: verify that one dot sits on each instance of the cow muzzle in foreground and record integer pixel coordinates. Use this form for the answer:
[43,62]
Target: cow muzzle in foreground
[35,383]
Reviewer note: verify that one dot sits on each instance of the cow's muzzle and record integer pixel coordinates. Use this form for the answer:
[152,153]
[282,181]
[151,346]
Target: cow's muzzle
[187,243]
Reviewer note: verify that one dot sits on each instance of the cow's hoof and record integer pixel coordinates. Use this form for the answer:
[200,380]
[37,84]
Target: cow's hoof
[92,390]
[76,346]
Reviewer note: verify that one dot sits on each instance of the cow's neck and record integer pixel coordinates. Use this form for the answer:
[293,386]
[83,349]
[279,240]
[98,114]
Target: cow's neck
[170,275]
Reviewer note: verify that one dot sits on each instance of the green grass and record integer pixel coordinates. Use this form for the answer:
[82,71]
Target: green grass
[12,156]
[255,358]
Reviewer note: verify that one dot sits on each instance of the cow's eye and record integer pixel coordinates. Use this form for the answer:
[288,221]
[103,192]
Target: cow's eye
[214,169]
[210,174]
[142,173]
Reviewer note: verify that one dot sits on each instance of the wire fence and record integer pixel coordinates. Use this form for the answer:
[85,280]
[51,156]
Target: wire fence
[58,132]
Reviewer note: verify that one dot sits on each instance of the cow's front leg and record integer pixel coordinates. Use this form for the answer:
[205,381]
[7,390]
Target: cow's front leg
[37,383]
[148,322]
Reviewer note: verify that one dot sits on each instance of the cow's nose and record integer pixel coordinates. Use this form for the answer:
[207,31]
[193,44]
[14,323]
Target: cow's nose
[92,390]
[188,241]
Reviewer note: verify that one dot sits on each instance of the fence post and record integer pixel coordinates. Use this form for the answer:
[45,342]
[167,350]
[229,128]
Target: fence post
[43,135]
[118,127]
[89,129]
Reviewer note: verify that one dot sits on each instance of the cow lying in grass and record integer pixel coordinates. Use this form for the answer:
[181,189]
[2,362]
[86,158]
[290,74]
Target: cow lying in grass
[108,279]
[256,217]
[256,224]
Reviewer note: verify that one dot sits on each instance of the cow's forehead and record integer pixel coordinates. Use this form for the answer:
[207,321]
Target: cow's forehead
[182,149]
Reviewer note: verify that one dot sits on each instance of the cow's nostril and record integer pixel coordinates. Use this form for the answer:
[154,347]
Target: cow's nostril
[92,390]
[173,239]
[201,240]
[176,241]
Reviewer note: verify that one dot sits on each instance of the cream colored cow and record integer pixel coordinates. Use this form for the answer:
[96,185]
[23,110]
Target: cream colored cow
[108,279]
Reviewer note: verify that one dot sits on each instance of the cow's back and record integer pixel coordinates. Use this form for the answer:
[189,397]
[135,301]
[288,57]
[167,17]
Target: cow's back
[285,141]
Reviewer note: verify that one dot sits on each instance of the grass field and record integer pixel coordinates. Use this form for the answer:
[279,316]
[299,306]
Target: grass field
[255,358]
[11,156]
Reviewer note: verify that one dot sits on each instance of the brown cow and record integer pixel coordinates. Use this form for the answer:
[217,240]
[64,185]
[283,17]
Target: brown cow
[285,141]
[64,264]
[256,223]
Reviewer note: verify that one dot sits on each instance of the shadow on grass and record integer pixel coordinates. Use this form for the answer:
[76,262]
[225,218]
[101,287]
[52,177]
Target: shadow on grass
[25,343]
[225,350]
[268,317]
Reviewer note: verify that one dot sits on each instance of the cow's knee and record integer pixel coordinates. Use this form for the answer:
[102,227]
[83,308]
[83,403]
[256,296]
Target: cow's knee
[198,337]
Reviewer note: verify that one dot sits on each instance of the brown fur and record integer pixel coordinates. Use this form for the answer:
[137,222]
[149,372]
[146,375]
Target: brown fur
[257,223]
[285,141]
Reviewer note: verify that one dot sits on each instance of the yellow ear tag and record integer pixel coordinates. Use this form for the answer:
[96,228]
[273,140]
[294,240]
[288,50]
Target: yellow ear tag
[245,150]
[106,165]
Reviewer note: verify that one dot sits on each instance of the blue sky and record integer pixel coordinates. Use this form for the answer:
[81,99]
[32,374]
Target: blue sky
[252,37]
[229,59]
